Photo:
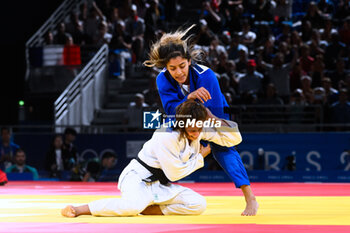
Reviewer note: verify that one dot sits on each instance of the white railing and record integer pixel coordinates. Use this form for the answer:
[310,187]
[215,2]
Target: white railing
[60,15]
[84,95]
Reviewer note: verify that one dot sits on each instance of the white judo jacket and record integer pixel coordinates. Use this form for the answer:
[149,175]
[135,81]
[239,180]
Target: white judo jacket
[176,156]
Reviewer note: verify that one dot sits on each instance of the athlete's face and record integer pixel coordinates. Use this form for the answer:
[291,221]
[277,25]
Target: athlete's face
[178,68]
[192,133]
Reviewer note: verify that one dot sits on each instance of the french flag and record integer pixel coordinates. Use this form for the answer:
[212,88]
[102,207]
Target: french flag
[55,55]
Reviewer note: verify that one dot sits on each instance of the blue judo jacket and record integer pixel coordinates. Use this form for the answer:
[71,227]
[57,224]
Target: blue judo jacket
[200,76]
[171,96]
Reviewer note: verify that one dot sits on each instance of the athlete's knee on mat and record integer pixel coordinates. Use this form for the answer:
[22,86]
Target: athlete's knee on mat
[198,207]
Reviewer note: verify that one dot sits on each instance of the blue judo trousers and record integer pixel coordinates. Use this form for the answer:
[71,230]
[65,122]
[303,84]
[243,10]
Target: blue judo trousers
[171,96]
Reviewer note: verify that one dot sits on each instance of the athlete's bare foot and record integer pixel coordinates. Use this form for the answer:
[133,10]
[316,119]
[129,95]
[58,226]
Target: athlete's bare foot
[69,212]
[251,208]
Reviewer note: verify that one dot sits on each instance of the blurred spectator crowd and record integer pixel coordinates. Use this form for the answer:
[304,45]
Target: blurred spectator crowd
[61,162]
[282,53]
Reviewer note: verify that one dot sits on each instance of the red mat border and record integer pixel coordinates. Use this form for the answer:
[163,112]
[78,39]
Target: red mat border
[167,228]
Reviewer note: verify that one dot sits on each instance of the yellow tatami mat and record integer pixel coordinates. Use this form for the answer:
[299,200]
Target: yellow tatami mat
[293,210]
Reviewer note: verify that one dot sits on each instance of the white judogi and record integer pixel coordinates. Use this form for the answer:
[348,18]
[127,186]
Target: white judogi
[177,158]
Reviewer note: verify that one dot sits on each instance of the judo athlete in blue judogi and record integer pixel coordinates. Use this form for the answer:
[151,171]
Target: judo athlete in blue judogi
[181,79]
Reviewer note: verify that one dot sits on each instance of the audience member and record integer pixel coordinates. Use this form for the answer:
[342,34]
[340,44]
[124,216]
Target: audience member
[135,26]
[204,35]
[320,99]
[98,170]
[75,27]
[153,21]
[295,76]
[319,96]
[272,106]
[7,148]
[92,21]
[326,7]
[283,10]
[120,39]
[345,83]
[295,39]
[247,36]
[83,11]
[339,73]
[102,36]
[121,46]
[58,158]
[252,81]
[113,18]
[343,10]
[235,14]
[61,35]
[296,107]
[70,135]
[210,12]
[263,31]
[306,31]
[222,63]
[344,31]
[233,76]
[270,96]
[313,15]
[308,92]
[49,38]
[235,47]
[335,50]
[133,118]
[328,29]
[151,94]
[286,51]
[263,10]
[340,110]
[331,93]
[226,87]
[278,74]
[242,61]
[318,71]
[306,61]
[20,165]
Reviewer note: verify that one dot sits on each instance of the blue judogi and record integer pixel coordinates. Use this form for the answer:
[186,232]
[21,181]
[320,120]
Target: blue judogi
[201,76]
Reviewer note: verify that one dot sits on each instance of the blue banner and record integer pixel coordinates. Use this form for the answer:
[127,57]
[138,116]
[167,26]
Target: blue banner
[314,152]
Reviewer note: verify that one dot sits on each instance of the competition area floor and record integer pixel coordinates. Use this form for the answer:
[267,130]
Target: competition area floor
[284,207]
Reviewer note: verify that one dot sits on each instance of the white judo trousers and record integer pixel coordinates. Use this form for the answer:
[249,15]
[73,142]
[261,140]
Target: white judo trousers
[136,195]
[177,157]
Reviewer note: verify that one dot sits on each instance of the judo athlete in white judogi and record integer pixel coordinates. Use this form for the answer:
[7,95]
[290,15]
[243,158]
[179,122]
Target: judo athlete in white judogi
[170,155]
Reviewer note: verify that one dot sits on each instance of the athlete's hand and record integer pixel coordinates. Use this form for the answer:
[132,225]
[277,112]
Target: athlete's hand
[201,94]
[205,150]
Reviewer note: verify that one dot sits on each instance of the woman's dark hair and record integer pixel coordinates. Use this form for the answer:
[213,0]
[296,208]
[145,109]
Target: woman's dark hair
[187,111]
[172,45]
